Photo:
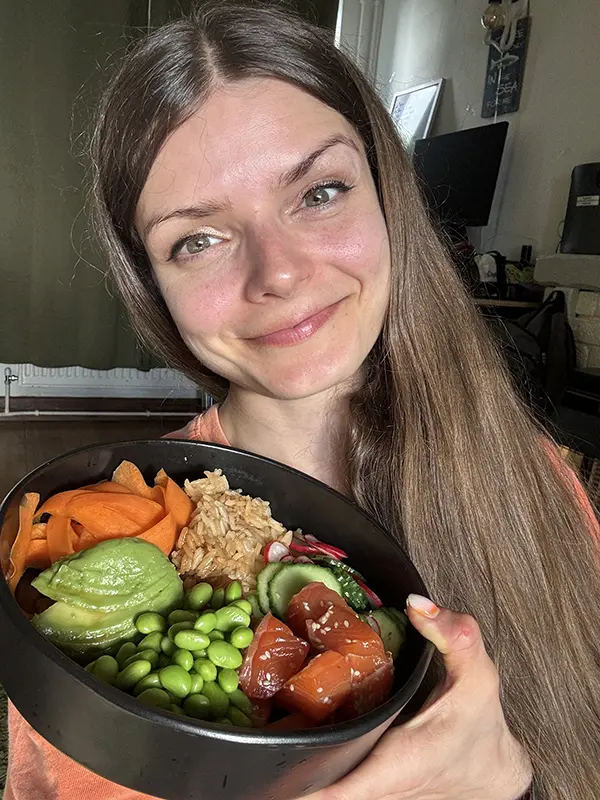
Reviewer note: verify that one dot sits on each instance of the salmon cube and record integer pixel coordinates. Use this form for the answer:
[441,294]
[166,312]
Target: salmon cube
[319,689]
[310,603]
[273,657]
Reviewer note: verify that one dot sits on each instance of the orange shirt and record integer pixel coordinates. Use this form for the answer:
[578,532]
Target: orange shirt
[38,771]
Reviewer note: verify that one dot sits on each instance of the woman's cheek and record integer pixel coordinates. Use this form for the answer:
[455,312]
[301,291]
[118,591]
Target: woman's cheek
[357,244]
[200,308]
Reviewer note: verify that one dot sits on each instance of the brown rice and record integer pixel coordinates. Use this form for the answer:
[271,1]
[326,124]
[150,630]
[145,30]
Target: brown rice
[226,535]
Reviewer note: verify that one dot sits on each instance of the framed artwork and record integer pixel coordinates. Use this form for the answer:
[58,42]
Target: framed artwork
[413,110]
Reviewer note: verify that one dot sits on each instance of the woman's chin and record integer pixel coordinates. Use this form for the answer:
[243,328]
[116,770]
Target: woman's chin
[305,380]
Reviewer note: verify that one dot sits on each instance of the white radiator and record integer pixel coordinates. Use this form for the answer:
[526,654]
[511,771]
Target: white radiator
[32,381]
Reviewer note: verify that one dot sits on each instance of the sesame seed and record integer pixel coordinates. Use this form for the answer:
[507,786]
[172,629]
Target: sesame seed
[306,606]
[336,624]
[346,624]
[327,699]
[320,690]
[348,641]
[326,630]
[268,676]
[292,689]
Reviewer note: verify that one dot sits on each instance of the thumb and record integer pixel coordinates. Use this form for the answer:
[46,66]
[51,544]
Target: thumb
[456,636]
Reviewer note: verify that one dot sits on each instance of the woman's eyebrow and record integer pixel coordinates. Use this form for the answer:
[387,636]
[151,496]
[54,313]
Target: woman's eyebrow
[303,167]
[210,207]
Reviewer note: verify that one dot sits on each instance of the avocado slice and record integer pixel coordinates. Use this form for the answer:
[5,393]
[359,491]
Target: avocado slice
[100,592]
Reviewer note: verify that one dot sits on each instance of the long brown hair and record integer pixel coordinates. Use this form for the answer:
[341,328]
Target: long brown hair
[440,449]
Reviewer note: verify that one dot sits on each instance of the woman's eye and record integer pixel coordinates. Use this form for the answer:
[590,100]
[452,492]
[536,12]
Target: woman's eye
[321,195]
[194,245]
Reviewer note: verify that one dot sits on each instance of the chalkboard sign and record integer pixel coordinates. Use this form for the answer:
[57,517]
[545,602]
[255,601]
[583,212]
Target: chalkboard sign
[504,75]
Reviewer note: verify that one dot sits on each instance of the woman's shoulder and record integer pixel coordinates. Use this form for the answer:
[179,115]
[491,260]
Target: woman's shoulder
[206,427]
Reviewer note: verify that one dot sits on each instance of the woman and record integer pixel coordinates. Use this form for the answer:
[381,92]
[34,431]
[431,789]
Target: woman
[264,228]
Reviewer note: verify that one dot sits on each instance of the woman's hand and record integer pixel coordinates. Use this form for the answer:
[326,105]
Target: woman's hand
[458,747]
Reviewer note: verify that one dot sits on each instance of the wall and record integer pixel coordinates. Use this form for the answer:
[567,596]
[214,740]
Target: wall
[557,126]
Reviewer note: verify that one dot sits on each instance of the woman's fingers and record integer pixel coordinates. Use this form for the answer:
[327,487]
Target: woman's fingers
[456,636]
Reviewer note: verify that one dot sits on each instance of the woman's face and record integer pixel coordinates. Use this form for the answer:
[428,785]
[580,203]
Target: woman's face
[267,241]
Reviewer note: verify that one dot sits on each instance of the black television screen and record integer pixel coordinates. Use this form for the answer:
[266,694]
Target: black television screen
[459,172]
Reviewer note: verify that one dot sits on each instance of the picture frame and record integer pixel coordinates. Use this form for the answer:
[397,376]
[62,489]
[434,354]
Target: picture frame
[413,110]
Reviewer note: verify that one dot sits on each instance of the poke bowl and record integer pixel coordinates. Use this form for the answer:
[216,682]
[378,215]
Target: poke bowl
[187,669]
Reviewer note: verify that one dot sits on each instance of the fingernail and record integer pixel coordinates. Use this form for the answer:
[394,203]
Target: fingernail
[423,605]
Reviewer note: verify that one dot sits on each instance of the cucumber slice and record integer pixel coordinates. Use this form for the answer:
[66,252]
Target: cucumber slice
[393,628]
[262,584]
[328,561]
[257,613]
[352,593]
[290,579]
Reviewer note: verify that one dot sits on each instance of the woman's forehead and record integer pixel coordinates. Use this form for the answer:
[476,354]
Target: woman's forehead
[246,132]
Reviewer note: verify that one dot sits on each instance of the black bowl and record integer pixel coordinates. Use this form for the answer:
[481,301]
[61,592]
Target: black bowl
[176,758]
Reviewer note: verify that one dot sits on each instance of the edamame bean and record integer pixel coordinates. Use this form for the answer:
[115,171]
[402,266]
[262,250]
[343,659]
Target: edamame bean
[223,654]
[157,698]
[233,592]
[197,683]
[106,668]
[151,642]
[197,706]
[179,626]
[199,596]
[205,668]
[126,650]
[133,674]
[191,640]
[175,709]
[239,700]
[198,654]
[245,605]
[206,623]
[163,660]
[241,638]
[175,680]
[238,718]
[228,680]
[231,617]
[150,622]
[180,615]
[218,599]
[216,636]
[224,721]
[167,646]
[219,701]
[184,659]
[151,681]
[143,655]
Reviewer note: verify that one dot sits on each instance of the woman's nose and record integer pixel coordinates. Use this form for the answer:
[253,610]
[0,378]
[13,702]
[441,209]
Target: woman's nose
[277,266]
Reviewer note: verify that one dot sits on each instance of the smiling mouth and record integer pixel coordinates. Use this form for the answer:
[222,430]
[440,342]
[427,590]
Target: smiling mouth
[299,332]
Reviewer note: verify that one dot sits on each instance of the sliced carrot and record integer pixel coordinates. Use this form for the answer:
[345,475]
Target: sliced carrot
[57,503]
[107,486]
[128,475]
[38,531]
[38,556]
[158,495]
[22,543]
[73,535]
[85,540]
[109,515]
[163,534]
[176,500]
[58,534]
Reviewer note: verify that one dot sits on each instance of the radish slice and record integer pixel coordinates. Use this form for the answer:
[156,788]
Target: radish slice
[372,623]
[372,597]
[289,559]
[298,547]
[326,549]
[275,551]
[303,560]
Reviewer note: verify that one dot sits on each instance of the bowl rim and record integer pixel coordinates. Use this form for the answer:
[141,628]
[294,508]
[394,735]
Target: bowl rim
[335,734]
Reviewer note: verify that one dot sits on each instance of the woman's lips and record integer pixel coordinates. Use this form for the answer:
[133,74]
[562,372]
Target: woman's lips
[298,333]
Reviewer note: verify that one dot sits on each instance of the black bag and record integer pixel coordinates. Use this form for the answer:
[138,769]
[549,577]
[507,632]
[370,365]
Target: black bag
[540,351]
